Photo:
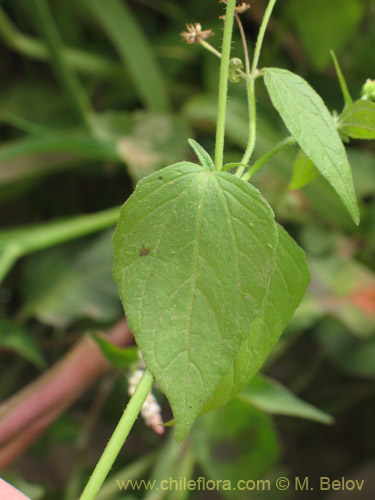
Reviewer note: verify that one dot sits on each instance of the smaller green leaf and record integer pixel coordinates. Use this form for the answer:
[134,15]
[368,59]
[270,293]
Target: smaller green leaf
[304,171]
[358,120]
[120,358]
[309,121]
[204,157]
[16,338]
[270,396]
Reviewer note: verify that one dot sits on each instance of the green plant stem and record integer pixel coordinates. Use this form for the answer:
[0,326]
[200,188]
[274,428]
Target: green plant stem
[223,84]
[262,31]
[251,104]
[288,141]
[118,437]
[66,75]
[250,88]
[132,471]
[17,242]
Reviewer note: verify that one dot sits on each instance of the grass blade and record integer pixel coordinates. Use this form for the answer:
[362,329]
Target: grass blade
[123,30]
[65,74]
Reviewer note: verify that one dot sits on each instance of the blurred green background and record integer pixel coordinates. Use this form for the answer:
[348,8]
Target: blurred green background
[96,94]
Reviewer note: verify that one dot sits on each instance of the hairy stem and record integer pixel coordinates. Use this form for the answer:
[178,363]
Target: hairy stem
[223,84]
[118,437]
[262,30]
[250,87]
[244,44]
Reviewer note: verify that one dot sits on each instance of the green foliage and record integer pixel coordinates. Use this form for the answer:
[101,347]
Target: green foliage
[285,291]
[272,397]
[304,171]
[235,442]
[127,37]
[120,358]
[309,121]
[17,339]
[127,96]
[352,355]
[321,29]
[358,120]
[204,158]
[194,251]
[65,284]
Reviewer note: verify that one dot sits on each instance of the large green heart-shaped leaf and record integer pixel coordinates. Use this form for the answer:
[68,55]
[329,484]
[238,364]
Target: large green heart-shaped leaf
[287,287]
[194,252]
[309,121]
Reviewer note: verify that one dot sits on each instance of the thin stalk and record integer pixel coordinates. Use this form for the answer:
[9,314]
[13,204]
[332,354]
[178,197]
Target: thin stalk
[251,104]
[244,44]
[262,30]
[223,84]
[210,48]
[66,75]
[250,88]
[74,483]
[288,141]
[118,437]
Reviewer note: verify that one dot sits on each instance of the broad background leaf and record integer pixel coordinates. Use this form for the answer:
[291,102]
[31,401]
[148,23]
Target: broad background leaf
[194,251]
[287,286]
[71,282]
[318,32]
[221,443]
[126,35]
[309,121]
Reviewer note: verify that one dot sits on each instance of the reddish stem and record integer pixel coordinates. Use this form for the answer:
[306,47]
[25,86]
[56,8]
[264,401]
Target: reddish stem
[24,416]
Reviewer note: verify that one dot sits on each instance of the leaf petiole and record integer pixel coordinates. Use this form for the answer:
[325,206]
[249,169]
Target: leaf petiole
[250,88]
[288,141]
[223,84]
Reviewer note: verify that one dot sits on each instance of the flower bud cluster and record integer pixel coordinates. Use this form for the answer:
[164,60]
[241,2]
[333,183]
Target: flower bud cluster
[151,411]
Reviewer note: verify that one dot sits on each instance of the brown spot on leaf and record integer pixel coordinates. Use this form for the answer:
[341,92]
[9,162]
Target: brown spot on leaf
[144,251]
